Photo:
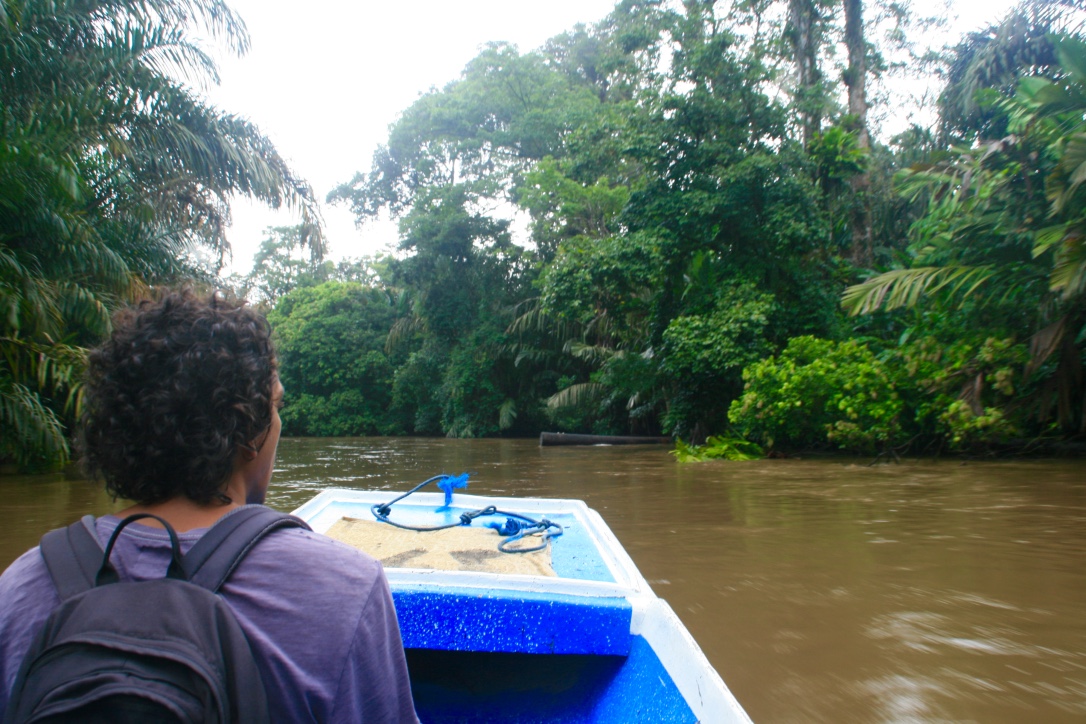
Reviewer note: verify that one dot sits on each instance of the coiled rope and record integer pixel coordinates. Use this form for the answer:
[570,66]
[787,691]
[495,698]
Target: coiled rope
[514,528]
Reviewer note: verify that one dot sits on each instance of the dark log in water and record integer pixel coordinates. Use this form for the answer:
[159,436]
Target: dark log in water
[564,438]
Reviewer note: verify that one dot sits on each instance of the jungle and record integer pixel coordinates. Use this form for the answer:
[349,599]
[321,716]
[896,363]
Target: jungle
[697,219]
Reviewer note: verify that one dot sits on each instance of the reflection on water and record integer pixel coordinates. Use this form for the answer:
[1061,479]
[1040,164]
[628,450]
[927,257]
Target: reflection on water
[821,590]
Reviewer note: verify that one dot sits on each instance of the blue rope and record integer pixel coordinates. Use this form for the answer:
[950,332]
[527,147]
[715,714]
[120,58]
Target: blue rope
[450,483]
[515,527]
[518,529]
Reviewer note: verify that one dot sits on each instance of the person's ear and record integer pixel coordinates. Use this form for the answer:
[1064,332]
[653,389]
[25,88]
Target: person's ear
[248,452]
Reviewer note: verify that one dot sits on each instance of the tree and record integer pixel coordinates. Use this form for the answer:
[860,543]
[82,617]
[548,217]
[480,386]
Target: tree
[817,391]
[805,31]
[701,183]
[331,344]
[856,73]
[987,64]
[856,82]
[281,265]
[114,175]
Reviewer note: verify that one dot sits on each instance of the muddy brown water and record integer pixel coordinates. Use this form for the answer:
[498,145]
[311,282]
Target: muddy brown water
[821,590]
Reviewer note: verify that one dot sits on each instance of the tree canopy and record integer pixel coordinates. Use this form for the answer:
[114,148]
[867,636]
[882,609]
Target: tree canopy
[701,187]
[682,219]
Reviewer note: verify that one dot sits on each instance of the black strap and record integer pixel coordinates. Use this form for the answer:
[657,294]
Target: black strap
[215,556]
[108,574]
[73,556]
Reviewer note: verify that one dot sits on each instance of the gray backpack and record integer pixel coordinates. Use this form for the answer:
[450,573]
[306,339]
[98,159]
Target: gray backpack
[165,650]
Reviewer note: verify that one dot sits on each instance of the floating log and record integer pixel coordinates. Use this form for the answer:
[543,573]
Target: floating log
[566,438]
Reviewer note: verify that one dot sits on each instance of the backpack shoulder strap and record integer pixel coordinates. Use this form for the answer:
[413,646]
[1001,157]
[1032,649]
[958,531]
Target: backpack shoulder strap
[215,556]
[73,556]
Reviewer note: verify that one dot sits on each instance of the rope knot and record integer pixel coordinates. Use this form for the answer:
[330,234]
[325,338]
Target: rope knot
[511,526]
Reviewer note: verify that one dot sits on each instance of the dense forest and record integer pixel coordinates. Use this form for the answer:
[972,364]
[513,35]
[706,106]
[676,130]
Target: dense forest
[685,219]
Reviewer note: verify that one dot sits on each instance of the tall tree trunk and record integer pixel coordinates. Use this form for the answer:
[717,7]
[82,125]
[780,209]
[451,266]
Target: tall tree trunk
[856,80]
[856,75]
[803,19]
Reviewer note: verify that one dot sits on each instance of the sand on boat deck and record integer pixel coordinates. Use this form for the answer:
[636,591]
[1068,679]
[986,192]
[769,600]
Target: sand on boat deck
[463,548]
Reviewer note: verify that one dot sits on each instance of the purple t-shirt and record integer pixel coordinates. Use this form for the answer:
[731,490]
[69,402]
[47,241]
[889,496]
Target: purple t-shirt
[318,615]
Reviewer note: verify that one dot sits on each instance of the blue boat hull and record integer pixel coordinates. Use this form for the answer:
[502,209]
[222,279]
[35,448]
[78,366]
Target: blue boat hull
[503,688]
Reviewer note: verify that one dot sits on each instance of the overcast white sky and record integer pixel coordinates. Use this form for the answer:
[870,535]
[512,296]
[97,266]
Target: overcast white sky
[325,78]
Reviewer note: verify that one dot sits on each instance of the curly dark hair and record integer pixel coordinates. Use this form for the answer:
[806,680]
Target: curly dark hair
[179,385]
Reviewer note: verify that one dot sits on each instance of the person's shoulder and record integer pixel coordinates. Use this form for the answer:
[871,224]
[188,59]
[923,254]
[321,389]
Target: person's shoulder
[315,555]
[27,568]
[27,596]
[308,541]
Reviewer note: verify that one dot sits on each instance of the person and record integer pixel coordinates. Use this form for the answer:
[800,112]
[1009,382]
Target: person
[181,417]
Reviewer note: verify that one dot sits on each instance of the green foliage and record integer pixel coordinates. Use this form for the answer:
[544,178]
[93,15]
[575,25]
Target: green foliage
[459,262]
[505,111]
[988,64]
[1053,112]
[115,174]
[1005,229]
[574,407]
[562,208]
[697,203]
[964,391]
[703,356]
[330,339]
[280,264]
[838,156]
[283,263]
[416,407]
[470,391]
[604,282]
[717,447]
[818,392]
[343,413]
[723,341]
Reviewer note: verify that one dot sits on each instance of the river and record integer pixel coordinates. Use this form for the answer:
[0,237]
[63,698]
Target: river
[822,590]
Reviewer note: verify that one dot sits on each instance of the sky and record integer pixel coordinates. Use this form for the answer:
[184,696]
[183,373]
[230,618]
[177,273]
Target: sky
[325,79]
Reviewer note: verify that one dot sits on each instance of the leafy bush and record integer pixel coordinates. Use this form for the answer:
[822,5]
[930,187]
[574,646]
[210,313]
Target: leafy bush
[703,356]
[470,393]
[717,447]
[818,392]
[341,414]
[722,342]
[615,275]
[963,391]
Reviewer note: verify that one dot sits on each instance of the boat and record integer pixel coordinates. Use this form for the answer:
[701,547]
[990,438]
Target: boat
[524,610]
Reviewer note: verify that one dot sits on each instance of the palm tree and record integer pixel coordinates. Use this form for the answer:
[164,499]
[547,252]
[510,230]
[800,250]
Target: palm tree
[1007,221]
[992,60]
[115,175]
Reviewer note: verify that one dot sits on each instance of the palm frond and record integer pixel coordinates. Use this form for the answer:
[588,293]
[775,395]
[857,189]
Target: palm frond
[507,414]
[905,287]
[30,428]
[590,352]
[114,175]
[578,395]
[403,329]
